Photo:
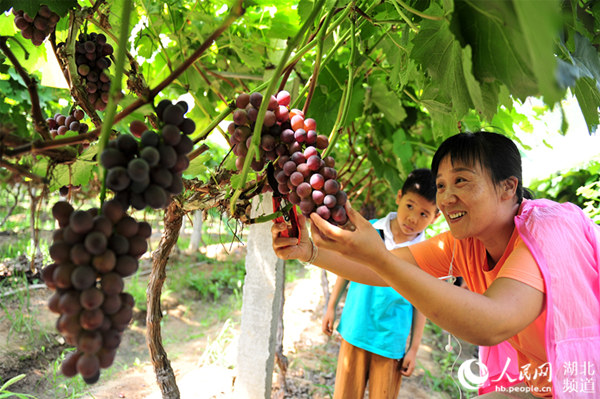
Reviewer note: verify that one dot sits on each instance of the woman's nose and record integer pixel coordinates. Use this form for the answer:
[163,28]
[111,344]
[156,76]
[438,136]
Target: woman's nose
[446,197]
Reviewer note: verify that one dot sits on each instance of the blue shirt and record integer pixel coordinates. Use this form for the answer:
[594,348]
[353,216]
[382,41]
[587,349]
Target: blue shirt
[378,319]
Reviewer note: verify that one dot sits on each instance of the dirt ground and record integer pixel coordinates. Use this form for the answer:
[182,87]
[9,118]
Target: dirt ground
[200,340]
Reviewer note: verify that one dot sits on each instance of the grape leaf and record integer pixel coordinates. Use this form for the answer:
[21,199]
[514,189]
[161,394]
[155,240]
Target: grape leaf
[31,7]
[437,50]
[589,100]
[539,35]
[499,48]
[388,102]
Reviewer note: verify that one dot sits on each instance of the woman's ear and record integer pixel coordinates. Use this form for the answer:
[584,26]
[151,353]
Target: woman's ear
[509,187]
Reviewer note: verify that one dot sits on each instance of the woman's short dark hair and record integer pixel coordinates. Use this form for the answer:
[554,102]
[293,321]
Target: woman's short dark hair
[495,153]
[422,182]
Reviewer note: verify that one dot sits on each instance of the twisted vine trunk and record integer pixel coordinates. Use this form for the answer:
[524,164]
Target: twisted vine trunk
[162,366]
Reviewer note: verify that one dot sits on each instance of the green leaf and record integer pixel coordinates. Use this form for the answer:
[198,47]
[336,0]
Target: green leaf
[539,36]
[31,7]
[499,49]
[388,102]
[198,165]
[401,148]
[357,103]
[438,51]
[472,84]
[588,98]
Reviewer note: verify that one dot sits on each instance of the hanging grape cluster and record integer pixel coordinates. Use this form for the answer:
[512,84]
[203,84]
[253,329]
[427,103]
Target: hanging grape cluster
[149,171]
[60,124]
[292,143]
[92,59]
[37,28]
[93,251]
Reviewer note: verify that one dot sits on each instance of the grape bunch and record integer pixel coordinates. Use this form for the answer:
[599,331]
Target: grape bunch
[292,143]
[92,59]
[61,124]
[37,28]
[93,250]
[149,171]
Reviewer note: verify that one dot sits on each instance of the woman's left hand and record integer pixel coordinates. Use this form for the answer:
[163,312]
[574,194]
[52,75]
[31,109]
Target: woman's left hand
[362,244]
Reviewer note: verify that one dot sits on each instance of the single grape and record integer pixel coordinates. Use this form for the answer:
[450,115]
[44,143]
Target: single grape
[283,98]
[324,212]
[242,100]
[137,128]
[331,186]
[329,201]
[304,190]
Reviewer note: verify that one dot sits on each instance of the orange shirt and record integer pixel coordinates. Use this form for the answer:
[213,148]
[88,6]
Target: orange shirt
[470,262]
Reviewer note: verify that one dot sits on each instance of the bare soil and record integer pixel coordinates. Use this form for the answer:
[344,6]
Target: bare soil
[200,340]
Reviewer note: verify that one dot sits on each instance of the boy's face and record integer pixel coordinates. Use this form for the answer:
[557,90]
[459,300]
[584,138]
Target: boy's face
[415,213]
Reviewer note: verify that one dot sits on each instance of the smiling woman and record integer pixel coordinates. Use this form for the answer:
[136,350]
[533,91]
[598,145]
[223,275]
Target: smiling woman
[514,254]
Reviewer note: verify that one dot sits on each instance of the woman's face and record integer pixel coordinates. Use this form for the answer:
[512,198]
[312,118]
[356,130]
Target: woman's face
[468,199]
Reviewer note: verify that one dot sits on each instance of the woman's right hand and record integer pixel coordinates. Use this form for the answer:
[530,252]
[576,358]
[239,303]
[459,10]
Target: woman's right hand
[291,247]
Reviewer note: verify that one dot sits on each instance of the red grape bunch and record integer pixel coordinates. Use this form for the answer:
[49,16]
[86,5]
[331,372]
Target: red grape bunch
[61,124]
[93,250]
[292,143]
[149,171]
[37,28]
[92,59]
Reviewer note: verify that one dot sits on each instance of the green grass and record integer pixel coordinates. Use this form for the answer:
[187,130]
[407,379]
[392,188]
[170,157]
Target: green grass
[5,393]
[19,313]
[63,387]
[448,362]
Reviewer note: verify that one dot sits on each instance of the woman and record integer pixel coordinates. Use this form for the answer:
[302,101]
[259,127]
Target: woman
[526,263]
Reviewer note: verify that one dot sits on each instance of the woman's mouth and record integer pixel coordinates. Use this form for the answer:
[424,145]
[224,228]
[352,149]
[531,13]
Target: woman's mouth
[456,215]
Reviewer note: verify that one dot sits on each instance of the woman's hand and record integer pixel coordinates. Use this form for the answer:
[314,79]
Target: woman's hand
[291,247]
[363,244]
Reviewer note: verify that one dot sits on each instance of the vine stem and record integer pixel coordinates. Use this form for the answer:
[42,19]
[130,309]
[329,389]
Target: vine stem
[115,90]
[321,39]
[346,96]
[253,149]
[162,366]
[36,112]
[405,18]
[417,12]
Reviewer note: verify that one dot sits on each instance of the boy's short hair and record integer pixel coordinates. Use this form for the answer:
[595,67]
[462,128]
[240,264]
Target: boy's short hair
[422,182]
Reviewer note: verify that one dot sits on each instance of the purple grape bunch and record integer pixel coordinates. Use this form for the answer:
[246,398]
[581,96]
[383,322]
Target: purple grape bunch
[292,143]
[92,54]
[60,124]
[38,27]
[93,250]
[148,171]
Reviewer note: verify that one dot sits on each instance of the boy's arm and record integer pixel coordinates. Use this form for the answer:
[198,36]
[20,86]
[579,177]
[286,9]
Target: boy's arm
[329,318]
[416,334]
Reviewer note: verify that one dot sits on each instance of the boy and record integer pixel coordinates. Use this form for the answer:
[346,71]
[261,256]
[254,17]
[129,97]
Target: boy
[377,321]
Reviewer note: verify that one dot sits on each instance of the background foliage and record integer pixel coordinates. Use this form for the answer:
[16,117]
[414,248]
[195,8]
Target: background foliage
[419,72]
